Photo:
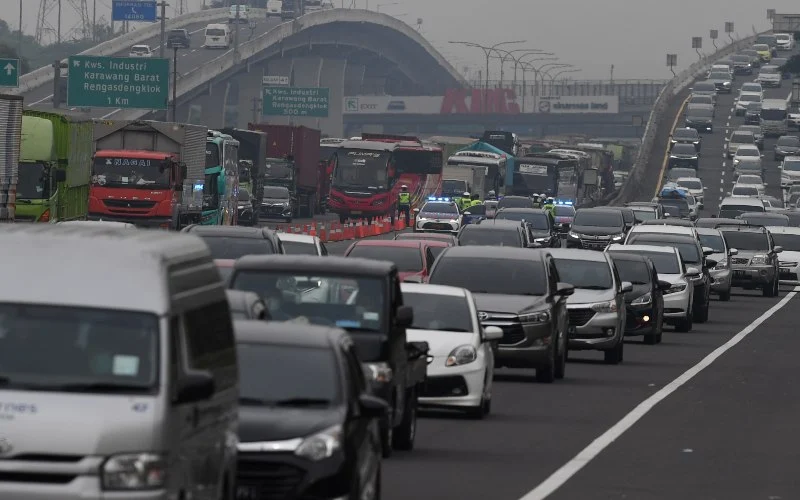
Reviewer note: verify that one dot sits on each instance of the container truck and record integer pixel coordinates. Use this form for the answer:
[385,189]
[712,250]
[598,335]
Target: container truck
[148,173]
[293,161]
[10,143]
[252,159]
[55,167]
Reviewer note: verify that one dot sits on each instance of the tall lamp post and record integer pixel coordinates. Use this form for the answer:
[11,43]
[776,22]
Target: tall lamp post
[509,54]
[487,51]
[527,66]
[562,72]
[551,67]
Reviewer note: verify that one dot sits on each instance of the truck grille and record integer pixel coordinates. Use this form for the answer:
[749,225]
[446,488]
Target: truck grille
[113,203]
[579,317]
[270,479]
[513,333]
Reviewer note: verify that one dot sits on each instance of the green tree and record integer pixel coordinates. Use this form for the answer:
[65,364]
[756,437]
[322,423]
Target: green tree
[9,52]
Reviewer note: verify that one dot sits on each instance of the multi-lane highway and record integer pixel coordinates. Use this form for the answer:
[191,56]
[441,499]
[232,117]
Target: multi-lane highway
[188,59]
[705,415]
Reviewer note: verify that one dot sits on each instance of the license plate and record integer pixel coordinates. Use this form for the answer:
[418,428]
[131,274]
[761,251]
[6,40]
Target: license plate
[739,274]
[572,330]
[247,493]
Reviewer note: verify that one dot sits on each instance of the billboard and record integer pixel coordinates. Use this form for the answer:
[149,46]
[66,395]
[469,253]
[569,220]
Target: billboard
[496,101]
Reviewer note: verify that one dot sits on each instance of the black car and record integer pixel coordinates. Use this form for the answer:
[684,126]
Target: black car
[179,38]
[247,213]
[596,228]
[742,65]
[519,291]
[514,202]
[684,155]
[645,303]
[752,114]
[700,119]
[539,224]
[492,232]
[685,136]
[247,305]
[363,297]
[308,425]
[628,215]
[692,255]
[277,203]
[787,145]
[232,242]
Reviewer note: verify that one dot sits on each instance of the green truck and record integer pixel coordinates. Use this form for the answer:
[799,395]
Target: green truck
[55,167]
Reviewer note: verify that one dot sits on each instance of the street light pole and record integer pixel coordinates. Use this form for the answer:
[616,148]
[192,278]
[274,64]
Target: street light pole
[163,6]
[559,73]
[487,51]
[175,84]
[236,33]
[510,54]
[19,34]
[540,71]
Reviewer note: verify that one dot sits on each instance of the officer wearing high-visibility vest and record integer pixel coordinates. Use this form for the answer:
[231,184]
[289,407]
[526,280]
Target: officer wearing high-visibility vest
[476,200]
[465,201]
[550,206]
[404,203]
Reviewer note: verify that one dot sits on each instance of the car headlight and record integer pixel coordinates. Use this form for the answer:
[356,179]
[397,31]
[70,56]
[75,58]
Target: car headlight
[675,288]
[421,219]
[721,265]
[454,221]
[727,84]
[461,355]
[536,317]
[605,307]
[758,260]
[643,300]
[285,204]
[673,157]
[321,445]
[378,372]
[617,237]
[242,207]
[573,234]
[735,161]
[134,472]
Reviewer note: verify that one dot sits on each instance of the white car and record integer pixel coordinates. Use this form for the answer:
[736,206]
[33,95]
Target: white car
[790,171]
[744,100]
[302,244]
[107,224]
[752,180]
[274,8]
[752,88]
[784,41]
[438,214]
[789,259]
[141,51]
[460,348]
[738,138]
[679,298]
[770,76]
[695,187]
[747,160]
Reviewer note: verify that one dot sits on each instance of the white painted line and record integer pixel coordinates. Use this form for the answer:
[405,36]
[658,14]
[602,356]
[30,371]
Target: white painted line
[722,181]
[111,113]
[562,475]
[729,123]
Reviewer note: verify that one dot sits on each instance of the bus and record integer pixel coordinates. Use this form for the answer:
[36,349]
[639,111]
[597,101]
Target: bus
[537,173]
[774,117]
[221,183]
[504,141]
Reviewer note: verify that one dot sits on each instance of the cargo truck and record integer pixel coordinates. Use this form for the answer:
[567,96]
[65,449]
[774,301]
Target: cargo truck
[293,161]
[148,173]
[10,143]
[55,167]
[252,159]
[459,177]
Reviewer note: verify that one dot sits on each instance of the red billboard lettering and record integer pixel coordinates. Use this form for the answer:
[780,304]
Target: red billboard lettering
[496,101]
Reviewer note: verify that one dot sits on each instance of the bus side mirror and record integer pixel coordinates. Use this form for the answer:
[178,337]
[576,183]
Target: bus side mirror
[60,175]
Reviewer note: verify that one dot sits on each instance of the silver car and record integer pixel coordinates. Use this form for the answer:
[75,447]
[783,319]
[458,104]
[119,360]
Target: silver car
[747,160]
[721,273]
[770,76]
[597,308]
[788,260]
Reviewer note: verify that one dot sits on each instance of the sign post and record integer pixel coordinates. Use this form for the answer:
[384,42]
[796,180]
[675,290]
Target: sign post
[295,101]
[729,29]
[9,72]
[134,10]
[697,44]
[118,82]
[713,36]
[672,61]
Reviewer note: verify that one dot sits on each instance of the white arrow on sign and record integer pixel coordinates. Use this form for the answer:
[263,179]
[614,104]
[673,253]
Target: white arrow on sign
[133,10]
[9,68]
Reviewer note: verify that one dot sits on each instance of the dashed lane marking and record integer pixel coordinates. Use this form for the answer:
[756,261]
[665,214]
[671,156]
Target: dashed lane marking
[562,475]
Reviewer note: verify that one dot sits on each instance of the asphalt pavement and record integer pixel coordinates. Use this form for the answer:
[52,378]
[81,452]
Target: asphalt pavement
[704,415]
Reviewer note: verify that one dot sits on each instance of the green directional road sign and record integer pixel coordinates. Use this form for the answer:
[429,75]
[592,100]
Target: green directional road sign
[118,82]
[9,72]
[295,101]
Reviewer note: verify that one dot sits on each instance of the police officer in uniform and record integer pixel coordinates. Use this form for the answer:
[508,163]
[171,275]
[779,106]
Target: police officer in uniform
[491,195]
[550,207]
[404,203]
[465,201]
[476,200]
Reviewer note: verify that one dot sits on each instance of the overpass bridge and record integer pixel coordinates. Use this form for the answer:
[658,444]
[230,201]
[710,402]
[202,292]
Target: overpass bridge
[364,55]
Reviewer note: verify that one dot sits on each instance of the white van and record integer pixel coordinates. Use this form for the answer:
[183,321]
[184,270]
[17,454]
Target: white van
[732,207]
[244,13]
[218,36]
[274,8]
[130,372]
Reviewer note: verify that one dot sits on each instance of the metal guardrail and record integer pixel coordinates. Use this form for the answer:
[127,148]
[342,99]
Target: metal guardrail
[41,76]
[675,86]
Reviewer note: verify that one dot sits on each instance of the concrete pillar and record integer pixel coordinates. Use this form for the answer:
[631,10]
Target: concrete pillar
[250,89]
[332,76]
[306,72]
[354,79]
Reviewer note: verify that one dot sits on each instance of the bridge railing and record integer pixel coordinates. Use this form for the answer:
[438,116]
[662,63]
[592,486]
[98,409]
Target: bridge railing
[41,76]
[660,119]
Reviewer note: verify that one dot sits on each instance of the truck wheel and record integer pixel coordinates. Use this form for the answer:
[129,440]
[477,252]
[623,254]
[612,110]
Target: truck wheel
[407,430]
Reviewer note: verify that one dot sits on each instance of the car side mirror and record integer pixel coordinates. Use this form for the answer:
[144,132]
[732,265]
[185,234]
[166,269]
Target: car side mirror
[778,249]
[626,287]
[372,407]
[195,386]
[711,263]
[728,193]
[733,251]
[405,316]
[416,210]
[664,285]
[692,272]
[707,251]
[414,279]
[564,289]
[492,333]
[417,349]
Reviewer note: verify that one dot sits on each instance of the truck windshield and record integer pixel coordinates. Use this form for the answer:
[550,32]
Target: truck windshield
[32,183]
[453,187]
[213,158]
[130,172]
[278,170]
[358,168]
[88,350]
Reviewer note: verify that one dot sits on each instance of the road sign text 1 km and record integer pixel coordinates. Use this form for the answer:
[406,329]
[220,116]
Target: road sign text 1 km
[118,82]
[295,101]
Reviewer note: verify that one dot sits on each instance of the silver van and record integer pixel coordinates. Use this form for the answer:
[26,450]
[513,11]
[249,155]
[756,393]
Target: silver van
[118,374]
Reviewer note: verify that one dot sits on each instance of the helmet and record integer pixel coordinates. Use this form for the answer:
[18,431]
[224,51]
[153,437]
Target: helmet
[466,194]
[492,194]
[404,186]
[551,200]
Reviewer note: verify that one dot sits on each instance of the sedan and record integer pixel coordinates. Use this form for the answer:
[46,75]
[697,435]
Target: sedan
[645,302]
[787,145]
[752,114]
[461,358]
[413,259]
[752,180]
[684,155]
[770,76]
[757,132]
[722,81]
[140,51]
[747,160]
[744,100]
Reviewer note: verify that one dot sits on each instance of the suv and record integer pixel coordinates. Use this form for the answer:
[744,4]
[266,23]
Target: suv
[686,240]
[538,223]
[232,242]
[363,297]
[596,309]
[519,291]
[495,233]
[756,263]
[179,38]
[685,136]
[595,228]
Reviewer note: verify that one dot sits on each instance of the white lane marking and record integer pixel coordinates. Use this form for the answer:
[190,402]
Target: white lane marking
[562,475]
[722,181]
[729,123]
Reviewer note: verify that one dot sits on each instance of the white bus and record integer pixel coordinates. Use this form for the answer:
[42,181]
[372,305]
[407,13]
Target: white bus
[774,117]
[218,36]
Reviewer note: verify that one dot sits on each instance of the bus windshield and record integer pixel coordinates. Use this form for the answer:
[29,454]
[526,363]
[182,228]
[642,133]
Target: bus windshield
[361,169]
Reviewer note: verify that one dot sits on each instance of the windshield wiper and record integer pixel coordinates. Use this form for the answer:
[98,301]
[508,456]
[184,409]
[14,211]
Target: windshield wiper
[303,402]
[100,387]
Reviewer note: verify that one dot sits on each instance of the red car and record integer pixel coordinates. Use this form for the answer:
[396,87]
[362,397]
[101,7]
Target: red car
[412,258]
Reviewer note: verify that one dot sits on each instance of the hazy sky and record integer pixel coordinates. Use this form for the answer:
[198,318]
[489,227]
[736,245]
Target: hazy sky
[634,36]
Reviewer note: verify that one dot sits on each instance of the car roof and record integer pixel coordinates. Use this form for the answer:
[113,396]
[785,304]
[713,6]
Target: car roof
[744,228]
[285,333]
[513,197]
[689,179]
[792,158]
[601,210]
[494,225]
[768,215]
[298,238]
[785,230]
[677,230]
[452,291]
[391,243]
[313,264]
[742,132]
[730,200]
[667,222]
[708,230]
[494,253]
[690,130]
[650,204]
[229,231]
[716,221]
[744,147]
[523,210]
[642,248]
[428,237]
[577,254]
[627,256]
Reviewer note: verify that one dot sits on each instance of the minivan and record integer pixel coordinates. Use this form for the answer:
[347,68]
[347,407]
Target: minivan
[218,36]
[731,208]
[125,383]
